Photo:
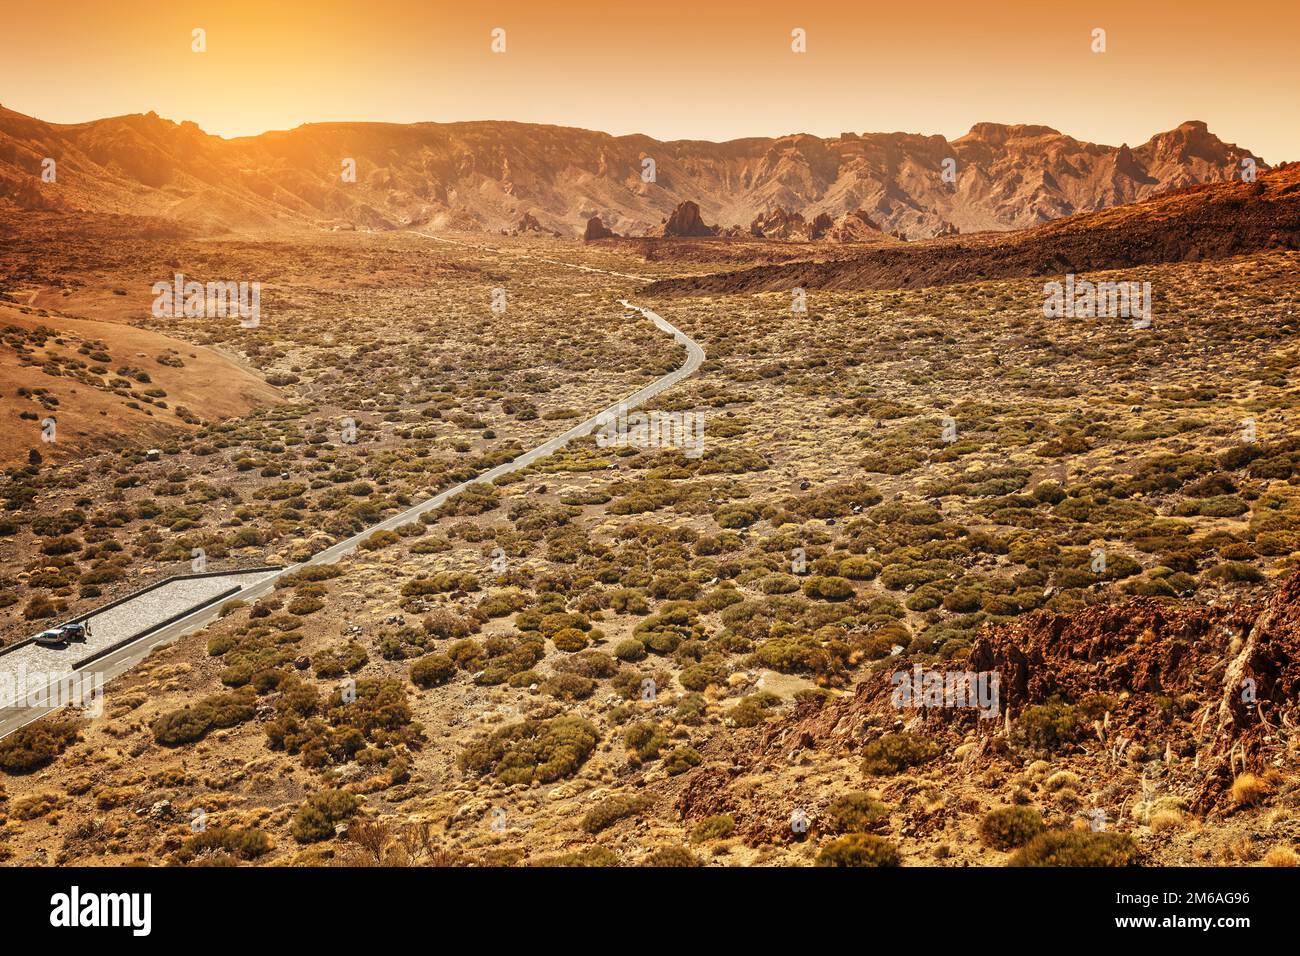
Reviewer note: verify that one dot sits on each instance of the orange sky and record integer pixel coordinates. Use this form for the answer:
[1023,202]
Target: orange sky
[702,69]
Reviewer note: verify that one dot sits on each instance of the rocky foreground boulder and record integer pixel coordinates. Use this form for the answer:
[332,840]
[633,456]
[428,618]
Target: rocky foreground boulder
[1194,696]
[1218,686]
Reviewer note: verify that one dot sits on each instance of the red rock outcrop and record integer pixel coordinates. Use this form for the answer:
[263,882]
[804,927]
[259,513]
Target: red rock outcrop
[529,223]
[1214,688]
[686,222]
[855,226]
[779,224]
[597,230]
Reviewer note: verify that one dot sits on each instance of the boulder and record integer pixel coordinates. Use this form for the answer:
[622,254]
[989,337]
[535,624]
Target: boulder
[687,222]
[597,230]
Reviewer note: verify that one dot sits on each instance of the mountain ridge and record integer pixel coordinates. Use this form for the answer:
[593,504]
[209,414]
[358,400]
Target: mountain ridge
[490,174]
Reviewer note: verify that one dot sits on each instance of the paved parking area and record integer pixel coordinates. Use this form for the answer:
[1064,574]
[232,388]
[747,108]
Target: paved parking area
[118,623]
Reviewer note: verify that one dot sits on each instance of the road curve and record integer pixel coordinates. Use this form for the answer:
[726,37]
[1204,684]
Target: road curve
[116,663]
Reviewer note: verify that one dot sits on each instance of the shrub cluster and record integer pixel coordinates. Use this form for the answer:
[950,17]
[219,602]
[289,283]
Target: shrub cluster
[32,747]
[534,751]
[189,724]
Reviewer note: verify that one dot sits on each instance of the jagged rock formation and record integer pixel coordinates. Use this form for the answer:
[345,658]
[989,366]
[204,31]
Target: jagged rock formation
[1207,221]
[820,225]
[26,192]
[855,227]
[779,224]
[686,222]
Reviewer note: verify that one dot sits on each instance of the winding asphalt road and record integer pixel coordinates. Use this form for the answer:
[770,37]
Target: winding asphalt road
[124,659]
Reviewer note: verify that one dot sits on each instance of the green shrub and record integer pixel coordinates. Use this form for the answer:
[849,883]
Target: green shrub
[672,856]
[534,751]
[894,753]
[1009,827]
[646,738]
[568,686]
[231,606]
[779,584]
[737,515]
[828,588]
[336,662]
[336,731]
[35,745]
[1077,848]
[220,644]
[963,600]
[569,639]
[717,827]
[590,857]
[854,813]
[612,809]
[662,633]
[309,574]
[630,650]
[440,583]
[318,815]
[804,654]
[39,607]
[243,844]
[432,670]
[379,540]
[697,677]
[627,601]
[1049,727]
[304,605]
[857,568]
[858,849]
[749,711]
[1234,572]
[193,723]
[681,760]
[592,663]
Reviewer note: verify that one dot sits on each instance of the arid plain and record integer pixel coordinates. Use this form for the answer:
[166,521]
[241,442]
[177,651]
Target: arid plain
[658,652]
